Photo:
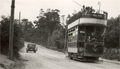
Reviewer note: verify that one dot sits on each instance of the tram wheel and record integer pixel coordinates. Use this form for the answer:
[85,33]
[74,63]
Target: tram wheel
[70,55]
[97,58]
[75,56]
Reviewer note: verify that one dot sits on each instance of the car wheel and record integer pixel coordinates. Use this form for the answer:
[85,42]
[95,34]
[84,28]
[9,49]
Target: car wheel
[34,51]
[27,51]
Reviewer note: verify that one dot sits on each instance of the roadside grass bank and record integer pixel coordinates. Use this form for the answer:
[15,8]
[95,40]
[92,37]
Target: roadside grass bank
[6,63]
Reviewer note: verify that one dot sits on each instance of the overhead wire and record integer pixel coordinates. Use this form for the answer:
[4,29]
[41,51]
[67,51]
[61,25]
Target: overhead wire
[77,3]
[64,4]
[51,3]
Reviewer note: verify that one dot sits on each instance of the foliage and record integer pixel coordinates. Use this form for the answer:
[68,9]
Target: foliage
[57,38]
[112,39]
[47,30]
[112,34]
[27,27]
[18,41]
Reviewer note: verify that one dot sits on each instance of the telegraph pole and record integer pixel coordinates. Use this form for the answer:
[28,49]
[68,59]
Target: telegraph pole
[19,16]
[65,45]
[11,32]
[63,19]
[119,39]
[0,38]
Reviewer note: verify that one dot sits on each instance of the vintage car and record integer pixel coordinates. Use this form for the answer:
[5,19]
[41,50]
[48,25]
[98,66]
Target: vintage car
[31,47]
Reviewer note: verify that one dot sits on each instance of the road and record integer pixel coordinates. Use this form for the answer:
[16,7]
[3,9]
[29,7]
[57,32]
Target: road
[49,59]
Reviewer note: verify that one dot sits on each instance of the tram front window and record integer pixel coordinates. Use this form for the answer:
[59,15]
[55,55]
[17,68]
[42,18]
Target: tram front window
[94,33]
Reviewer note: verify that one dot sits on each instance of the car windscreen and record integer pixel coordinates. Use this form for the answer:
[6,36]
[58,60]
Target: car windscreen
[31,46]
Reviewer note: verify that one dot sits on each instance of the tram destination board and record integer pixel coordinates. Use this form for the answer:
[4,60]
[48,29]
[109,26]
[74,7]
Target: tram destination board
[97,16]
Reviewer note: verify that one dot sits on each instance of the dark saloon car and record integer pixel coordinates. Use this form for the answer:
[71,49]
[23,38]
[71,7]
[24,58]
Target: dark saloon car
[31,47]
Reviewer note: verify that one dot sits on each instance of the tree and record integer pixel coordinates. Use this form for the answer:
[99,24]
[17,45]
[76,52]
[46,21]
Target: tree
[112,34]
[47,29]
[57,38]
[28,29]
[18,41]
[112,37]
[46,24]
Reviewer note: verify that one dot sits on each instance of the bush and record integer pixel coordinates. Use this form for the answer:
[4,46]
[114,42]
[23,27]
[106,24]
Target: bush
[112,38]
[111,53]
[18,41]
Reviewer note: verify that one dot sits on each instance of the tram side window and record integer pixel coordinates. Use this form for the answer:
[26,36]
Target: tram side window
[69,37]
[82,33]
[72,35]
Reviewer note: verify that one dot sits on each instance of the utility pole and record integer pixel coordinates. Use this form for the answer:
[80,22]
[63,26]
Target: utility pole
[19,16]
[11,32]
[119,39]
[0,38]
[63,19]
[65,37]
[65,32]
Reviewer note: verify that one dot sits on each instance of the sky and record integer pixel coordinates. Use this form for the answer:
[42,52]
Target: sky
[30,9]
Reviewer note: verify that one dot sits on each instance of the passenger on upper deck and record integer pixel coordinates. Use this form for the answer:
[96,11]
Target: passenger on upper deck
[87,10]
[83,9]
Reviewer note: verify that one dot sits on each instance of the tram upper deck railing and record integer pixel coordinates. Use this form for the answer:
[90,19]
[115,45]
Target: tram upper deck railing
[88,13]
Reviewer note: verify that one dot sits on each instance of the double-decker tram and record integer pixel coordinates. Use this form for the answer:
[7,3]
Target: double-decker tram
[85,34]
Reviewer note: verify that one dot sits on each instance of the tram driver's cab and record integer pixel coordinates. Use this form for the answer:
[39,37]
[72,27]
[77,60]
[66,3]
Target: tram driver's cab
[94,33]
[91,33]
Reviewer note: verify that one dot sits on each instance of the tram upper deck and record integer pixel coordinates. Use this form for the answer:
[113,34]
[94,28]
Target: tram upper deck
[88,16]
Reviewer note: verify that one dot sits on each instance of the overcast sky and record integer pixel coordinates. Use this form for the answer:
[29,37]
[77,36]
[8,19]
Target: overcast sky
[30,8]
